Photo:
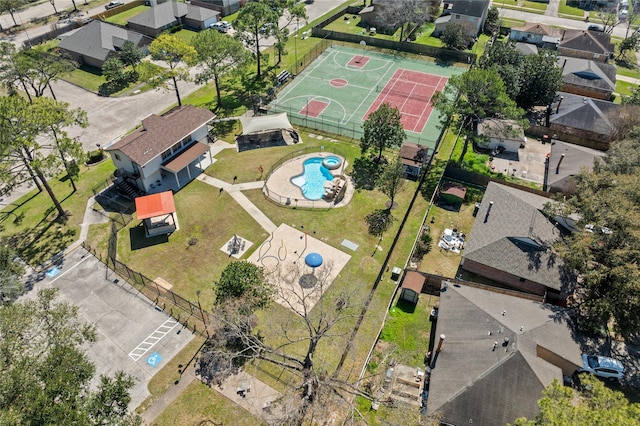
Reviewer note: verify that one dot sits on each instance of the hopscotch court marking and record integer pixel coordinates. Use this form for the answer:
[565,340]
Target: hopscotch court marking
[152,339]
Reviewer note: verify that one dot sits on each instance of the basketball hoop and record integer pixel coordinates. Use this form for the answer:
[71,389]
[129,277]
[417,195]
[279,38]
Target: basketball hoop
[363,44]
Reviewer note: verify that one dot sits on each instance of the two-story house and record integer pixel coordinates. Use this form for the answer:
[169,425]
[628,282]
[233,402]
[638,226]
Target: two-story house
[470,14]
[167,152]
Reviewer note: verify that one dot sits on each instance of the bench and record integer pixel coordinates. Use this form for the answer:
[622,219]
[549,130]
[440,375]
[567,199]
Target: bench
[282,77]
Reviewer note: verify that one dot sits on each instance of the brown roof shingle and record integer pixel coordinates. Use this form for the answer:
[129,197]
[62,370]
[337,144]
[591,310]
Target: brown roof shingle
[159,133]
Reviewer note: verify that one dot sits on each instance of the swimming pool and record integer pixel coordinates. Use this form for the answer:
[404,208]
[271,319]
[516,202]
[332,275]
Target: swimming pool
[332,162]
[312,181]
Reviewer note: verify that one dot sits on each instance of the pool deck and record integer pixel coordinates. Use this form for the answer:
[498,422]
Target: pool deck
[279,187]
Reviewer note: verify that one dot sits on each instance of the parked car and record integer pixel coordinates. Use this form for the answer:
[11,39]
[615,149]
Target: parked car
[596,27]
[221,26]
[623,14]
[113,4]
[602,366]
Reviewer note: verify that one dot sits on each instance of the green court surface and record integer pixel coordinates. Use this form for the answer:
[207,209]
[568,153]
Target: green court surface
[338,91]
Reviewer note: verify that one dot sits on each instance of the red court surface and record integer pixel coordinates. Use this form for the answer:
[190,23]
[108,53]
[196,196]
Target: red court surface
[338,82]
[358,61]
[410,92]
[313,108]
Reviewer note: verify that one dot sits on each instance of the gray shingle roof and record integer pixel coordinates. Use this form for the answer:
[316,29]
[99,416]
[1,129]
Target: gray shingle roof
[471,382]
[516,237]
[161,15]
[576,158]
[474,8]
[161,132]
[588,41]
[587,73]
[579,112]
[98,39]
[198,13]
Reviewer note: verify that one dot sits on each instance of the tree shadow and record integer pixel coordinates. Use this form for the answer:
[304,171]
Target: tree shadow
[365,173]
[139,240]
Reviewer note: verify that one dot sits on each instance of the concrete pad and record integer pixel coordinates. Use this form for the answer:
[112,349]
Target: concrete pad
[123,318]
[249,393]
[282,255]
[238,252]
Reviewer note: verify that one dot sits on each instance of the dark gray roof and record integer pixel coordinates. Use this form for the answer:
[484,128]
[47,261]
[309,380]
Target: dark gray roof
[527,48]
[587,73]
[98,39]
[579,112]
[471,382]
[161,15]
[576,158]
[515,237]
[474,8]
[587,41]
[198,13]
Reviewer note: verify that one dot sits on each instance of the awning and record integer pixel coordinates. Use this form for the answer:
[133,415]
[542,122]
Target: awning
[265,123]
[155,205]
[413,281]
[181,161]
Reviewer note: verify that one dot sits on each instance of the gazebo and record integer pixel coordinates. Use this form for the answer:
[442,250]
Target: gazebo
[412,286]
[158,213]
[266,131]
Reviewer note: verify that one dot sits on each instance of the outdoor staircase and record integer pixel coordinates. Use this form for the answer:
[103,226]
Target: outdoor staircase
[128,190]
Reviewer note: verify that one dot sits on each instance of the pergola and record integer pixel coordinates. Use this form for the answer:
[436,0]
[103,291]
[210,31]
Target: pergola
[158,213]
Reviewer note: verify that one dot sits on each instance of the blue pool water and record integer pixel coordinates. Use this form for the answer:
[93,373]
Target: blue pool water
[332,162]
[313,179]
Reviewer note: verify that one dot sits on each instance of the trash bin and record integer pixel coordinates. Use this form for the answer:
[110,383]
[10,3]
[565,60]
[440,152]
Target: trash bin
[395,273]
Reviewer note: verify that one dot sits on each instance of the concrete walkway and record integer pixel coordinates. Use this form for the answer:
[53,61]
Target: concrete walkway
[169,396]
[552,8]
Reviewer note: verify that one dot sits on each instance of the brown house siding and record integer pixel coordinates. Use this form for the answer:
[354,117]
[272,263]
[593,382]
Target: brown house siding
[586,91]
[563,51]
[568,368]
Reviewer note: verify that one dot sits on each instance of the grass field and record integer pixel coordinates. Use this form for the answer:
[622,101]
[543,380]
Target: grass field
[122,18]
[565,9]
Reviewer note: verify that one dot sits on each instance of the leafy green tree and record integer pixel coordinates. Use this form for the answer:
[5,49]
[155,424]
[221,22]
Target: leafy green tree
[604,248]
[256,21]
[506,60]
[633,99]
[11,7]
[243,280]
[382,129]
[289,11]
[455,37]
[595,405]
[23,154]
[46,375]
[10,72]
[379,221]
[628,44]
[178,55]
[492,23]
[543,79]
[114,72]
[219,55]
[40,68]
[391,180]
[473,96]
[130,55]
[11,273]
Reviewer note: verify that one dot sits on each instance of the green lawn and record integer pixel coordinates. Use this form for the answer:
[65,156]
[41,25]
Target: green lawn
[122,18]
[30,220]
[185,35]
[564,9]
[352,26]
[624,88]
[535,5]
[87,77]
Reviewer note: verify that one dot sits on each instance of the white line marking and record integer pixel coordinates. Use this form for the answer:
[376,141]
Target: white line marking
[152,339]
[87,256]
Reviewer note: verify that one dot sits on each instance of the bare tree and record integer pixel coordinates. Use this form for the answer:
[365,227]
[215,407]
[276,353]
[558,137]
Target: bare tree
[297,345]
[608,17]
[403,13]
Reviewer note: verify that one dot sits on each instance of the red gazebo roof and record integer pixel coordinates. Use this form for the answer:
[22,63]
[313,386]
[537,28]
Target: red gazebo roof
[155,205]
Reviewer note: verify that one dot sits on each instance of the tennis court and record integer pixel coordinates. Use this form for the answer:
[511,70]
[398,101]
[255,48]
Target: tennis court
[339,90]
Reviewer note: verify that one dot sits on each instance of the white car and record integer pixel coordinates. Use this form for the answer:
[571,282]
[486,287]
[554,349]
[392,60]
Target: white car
[602,366]
[221,26]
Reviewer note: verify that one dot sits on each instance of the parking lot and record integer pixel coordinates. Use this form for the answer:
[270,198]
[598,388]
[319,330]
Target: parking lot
[134,335]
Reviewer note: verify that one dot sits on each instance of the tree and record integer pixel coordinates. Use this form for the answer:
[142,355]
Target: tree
[117,77]
[38,68]
[293,346]
[10,71]
[219,55]
[492,23]
[630,43]
[455,37]
[542,78]
[474,95]
[246,281]
[608,18]
[22,153]
[11,7]
[604,248]
[130,55]
[594,405]
[391,180]
[11,272]
[46,375]
[255,21]
[402,13]
[382,129]
[289,11]
[633,99]
[506,60]
[176,54]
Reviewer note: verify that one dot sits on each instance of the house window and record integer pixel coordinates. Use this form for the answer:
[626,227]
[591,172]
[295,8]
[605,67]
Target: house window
[166,154]
[117,156]
[186,140]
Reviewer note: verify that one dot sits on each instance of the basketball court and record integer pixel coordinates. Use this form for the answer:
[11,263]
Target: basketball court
[344,85]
